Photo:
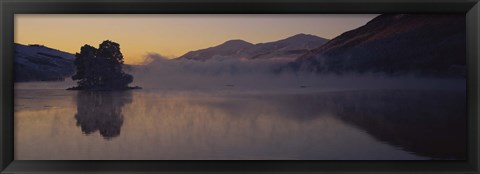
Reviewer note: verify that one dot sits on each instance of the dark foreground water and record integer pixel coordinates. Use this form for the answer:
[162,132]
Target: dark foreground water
[176,125]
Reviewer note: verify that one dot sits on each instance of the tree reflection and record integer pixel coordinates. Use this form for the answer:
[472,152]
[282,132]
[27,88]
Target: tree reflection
[101,111]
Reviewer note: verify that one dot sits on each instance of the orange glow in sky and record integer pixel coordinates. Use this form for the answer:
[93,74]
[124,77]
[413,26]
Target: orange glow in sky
[173,35]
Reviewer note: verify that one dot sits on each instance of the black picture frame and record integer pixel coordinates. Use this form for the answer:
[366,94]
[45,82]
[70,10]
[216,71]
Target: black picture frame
[8,8]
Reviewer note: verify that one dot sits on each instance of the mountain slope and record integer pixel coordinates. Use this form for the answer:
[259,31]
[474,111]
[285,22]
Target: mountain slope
[229,48]
[291,47]
[40,63]
[433,45]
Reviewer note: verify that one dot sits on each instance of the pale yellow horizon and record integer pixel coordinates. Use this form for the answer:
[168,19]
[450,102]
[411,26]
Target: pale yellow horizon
[173,35]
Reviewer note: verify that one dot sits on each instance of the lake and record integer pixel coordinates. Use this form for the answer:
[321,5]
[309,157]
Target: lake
[228,124]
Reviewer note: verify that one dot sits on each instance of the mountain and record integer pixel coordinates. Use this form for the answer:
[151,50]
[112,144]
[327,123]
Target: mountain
[229,48]
[291,47]
[40,63]
[432,45]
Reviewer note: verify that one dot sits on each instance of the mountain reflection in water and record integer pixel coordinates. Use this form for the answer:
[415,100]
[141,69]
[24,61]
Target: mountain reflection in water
[366,124]
[426,123]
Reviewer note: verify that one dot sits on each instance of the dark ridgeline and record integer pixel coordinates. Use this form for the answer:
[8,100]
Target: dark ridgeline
[290,47]
[101,111]
[427,45]
[101,69]
[41,63]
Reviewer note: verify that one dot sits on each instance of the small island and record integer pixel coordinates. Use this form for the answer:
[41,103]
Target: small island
[101,69]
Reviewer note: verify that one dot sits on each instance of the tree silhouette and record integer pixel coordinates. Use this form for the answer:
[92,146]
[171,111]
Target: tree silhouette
[101,69]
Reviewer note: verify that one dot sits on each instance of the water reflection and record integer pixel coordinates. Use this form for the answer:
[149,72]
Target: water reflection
[223,125]
[101,111]
[427,122]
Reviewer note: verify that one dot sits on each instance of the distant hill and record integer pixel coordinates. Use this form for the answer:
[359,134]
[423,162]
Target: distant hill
[229,48]
[291,48]
[432,45]
[40,63]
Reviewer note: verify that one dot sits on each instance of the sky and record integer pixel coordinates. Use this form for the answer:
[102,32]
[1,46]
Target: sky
[173,35]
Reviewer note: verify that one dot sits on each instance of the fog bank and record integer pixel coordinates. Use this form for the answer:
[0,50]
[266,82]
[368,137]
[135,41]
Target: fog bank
[222,73]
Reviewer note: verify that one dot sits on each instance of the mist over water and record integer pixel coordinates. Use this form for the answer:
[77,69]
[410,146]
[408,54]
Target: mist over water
[231,109]
[267,75]
[392,89]
[56,124]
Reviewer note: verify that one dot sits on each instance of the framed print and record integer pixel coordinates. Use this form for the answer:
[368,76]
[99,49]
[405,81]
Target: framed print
[230,86]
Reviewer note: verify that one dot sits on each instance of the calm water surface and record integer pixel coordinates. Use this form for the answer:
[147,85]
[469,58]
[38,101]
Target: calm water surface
[56,124]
